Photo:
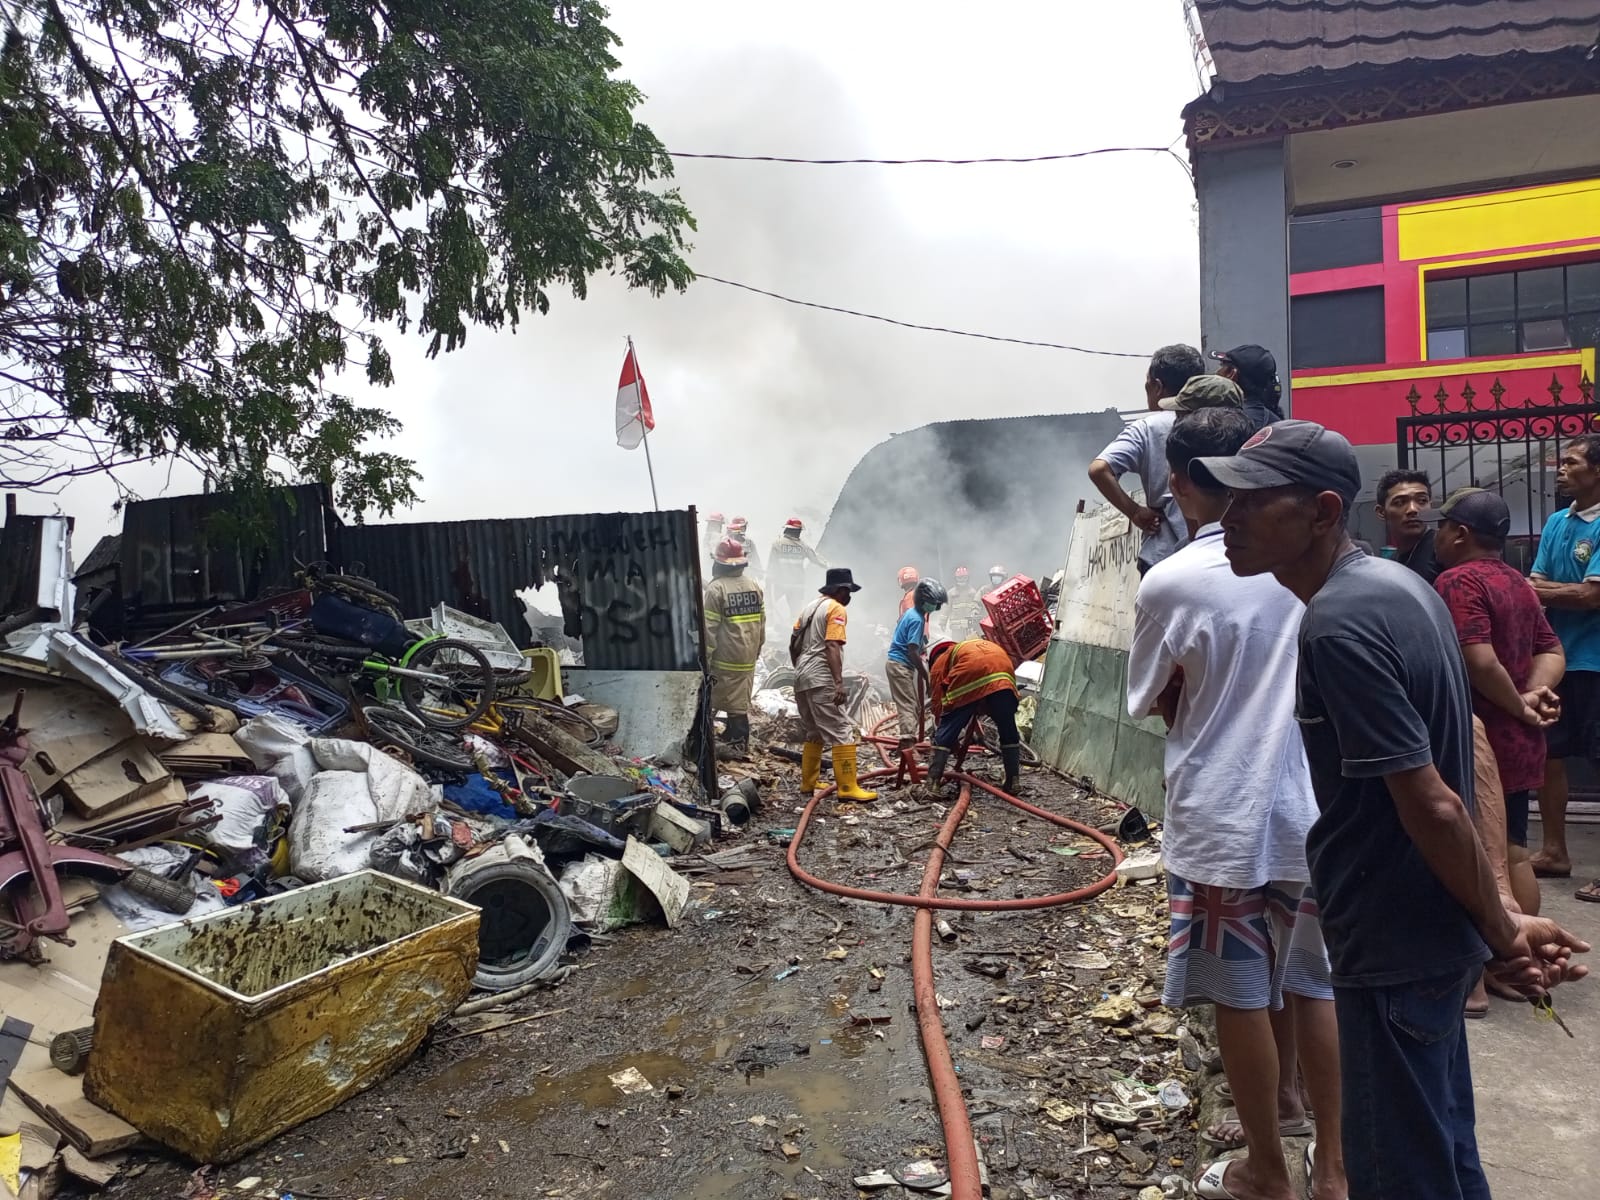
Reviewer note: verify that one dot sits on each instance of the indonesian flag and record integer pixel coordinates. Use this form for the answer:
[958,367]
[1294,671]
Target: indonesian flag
[634,418]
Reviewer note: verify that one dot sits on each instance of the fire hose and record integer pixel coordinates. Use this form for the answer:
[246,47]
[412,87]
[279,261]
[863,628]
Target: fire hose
[961,1151]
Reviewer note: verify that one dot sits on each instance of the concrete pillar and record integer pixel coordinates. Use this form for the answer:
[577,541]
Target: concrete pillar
[1244,251]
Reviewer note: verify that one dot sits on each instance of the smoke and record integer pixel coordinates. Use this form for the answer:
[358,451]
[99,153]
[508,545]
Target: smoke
[765,409]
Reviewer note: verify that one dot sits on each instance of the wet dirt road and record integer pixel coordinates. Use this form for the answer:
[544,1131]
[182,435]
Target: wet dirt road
[776,1032]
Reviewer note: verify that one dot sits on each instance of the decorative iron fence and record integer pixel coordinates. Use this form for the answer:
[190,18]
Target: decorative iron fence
[1484,439]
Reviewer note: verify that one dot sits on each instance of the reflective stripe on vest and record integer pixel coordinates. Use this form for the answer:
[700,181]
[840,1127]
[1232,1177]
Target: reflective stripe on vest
[952,697]
[748,620]
[740,668]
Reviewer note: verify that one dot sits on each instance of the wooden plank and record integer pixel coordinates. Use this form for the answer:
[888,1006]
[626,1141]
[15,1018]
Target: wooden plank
[172,792]
[127,773]
[565,753]
[59,1100]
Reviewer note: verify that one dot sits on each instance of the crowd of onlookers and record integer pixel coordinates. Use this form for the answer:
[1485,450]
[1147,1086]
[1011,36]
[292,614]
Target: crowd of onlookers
[1355,739]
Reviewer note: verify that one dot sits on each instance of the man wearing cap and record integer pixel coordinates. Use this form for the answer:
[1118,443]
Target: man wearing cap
[1513,658]
[1141,448]
[1566,578]
[713,533]
[736,629]
[786,572]
[1214,655]
[1407,897]
[1256,372]
[816,648]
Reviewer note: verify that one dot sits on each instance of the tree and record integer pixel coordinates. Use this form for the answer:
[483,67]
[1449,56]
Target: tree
[210,208]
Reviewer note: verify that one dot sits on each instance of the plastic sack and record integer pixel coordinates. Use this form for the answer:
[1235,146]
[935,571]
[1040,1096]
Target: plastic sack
[403,852]
[357,786]
[281,748]
[590,886]
[139,914]
[253,809]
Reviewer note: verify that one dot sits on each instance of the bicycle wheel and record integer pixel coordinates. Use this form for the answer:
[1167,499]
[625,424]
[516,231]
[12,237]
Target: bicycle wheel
[460,686]
[571,722]
[390,726]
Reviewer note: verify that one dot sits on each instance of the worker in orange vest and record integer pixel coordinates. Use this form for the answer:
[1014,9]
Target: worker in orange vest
[969,679]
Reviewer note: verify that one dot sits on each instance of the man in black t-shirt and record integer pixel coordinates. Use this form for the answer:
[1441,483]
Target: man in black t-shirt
[1403,498]
[1409,905]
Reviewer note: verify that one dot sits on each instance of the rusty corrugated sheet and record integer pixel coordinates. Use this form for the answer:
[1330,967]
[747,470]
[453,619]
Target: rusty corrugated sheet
[175,554]
[1254,39]
[634,600]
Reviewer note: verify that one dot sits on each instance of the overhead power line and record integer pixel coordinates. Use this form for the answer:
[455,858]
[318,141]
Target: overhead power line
[988,337]
[913,162]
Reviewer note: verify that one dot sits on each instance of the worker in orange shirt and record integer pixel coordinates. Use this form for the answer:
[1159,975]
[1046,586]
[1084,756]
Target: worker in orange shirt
[909,579]
[969,679]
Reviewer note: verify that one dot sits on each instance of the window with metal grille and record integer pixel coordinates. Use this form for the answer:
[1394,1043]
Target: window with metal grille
[1514,312]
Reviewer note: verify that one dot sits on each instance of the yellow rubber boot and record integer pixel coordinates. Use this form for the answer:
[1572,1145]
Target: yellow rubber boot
[844,773]
[810,767]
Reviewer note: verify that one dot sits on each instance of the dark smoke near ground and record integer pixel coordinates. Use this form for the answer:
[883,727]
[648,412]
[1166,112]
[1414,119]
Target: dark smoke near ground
[964,493]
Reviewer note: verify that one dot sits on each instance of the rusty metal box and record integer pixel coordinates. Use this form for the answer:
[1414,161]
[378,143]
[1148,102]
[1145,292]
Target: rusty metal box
[215,1035]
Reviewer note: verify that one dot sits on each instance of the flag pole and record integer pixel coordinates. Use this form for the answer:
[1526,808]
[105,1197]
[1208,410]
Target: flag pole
[644,433]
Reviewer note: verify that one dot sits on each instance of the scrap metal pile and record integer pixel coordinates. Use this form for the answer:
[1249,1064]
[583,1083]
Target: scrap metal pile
[260,751]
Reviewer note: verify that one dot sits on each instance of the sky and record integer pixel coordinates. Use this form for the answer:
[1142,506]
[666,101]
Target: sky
[763,408]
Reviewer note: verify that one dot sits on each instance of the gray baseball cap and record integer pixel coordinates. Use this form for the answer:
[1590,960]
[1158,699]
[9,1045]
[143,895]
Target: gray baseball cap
[1205,391]
[1479,510]
[1282,454]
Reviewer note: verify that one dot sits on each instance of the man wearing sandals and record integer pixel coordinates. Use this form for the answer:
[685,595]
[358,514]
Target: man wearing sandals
[1410,906]
[1214,655]
[1566,578]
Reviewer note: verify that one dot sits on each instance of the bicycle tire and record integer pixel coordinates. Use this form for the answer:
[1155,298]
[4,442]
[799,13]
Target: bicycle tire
[391,726]
[327,647]
[463,700]
[572,723]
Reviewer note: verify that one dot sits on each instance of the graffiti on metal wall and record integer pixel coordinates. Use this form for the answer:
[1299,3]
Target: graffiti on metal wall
[1102,578]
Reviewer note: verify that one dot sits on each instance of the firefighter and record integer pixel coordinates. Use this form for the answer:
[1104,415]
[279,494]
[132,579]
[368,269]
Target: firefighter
[739,530]
[908,584]
[906,668]
[712,535]
[788,566]
[966,609]
[997,575]
[736,628]
[970,679]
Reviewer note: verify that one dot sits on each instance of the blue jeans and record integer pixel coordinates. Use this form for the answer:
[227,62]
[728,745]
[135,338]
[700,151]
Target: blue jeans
[1408,1116]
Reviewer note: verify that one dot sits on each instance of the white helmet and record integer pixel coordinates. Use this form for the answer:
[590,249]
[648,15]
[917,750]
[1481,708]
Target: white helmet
[997,573]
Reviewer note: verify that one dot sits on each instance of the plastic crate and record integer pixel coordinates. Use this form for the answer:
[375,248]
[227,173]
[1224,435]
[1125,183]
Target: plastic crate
[1023,644]
[1014,602]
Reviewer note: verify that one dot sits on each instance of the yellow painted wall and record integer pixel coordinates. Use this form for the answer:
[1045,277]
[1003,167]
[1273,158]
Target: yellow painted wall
[1500,221]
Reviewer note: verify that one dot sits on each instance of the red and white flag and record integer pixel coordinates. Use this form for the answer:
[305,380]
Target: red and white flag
[634,418]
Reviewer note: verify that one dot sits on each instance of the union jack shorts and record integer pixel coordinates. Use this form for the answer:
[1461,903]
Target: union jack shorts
[1244,947]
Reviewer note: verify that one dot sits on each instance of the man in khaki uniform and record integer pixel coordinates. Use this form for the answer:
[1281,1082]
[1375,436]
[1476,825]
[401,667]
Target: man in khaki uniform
[816,648]
[736,628]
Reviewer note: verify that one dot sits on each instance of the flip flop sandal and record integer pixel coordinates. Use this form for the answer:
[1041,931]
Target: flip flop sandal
[1590,892]
[1310,1159]
[1303,1128]
[1212,1184]
[1225,1092]
[1550,873]
[1475,1014]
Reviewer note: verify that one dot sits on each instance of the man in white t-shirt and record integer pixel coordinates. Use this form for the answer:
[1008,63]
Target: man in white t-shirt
[1215,655]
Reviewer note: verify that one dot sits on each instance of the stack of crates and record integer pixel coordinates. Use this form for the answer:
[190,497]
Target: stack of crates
[1018,620]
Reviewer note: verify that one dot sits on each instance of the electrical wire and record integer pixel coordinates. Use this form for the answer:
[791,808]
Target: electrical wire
[917,162]
[987,337]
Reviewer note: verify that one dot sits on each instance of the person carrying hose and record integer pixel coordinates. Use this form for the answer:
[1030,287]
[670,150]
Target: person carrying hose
[905,667]
[968,680]
[816,648]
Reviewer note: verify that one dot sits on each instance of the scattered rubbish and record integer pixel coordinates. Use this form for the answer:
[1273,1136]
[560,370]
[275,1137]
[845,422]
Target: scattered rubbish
[1085,960]
[836,954]
[1116,1115]
[790,1150]
[1133,828]
[859,1019]
[993,1041]
[993,968]
[875,1181]
[946,930]
[784,974]
[921,1176]
[1173,1096]
[630,1082]
[1116,1010]
[1139,867]
[525,918]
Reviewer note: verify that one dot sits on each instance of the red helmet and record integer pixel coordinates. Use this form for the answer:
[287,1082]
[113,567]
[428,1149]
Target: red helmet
[908,576]
[713,518]
[730,553]
[794,523]
[962,574]
[738,525]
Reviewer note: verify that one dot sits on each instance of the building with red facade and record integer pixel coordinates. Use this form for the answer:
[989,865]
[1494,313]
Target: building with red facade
[1402,202]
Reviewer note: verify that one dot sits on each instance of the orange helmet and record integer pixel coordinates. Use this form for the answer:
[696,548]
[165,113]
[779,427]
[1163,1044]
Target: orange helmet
[730,553]
[962,574]
[908,577]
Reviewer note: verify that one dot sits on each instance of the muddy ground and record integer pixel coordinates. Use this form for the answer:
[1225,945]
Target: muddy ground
[749,1022]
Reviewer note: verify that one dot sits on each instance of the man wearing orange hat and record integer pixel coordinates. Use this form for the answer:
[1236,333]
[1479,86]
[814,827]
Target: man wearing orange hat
[909,578]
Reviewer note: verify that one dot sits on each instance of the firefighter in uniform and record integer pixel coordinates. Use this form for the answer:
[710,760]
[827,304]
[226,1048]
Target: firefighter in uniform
[966,609]
[712,535]
[739,531]
[736,628]
[786,569]
[970,679]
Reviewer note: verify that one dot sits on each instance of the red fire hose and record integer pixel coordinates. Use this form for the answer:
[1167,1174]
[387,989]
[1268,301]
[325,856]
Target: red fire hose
[960,1150]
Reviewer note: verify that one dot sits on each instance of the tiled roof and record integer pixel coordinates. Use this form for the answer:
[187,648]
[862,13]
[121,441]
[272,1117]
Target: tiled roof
[1257,39]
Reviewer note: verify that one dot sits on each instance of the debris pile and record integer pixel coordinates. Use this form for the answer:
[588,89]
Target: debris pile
[260,754]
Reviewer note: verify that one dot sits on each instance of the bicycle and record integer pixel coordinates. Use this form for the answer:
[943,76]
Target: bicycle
[444,682]
[502,719]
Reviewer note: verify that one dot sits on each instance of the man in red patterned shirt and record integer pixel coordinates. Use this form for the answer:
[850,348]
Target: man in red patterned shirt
[1514,659]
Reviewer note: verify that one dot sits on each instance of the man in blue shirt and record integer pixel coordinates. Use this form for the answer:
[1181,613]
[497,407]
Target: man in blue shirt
[1566,576]
[908,658]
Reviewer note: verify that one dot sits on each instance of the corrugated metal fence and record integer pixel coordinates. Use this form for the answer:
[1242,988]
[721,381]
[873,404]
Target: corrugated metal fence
[629,582]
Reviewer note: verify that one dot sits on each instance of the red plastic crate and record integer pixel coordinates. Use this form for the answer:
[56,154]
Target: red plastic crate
[1026,643]
[1014,603]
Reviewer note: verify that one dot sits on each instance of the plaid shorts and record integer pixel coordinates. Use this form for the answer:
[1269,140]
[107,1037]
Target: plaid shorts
[1244,947]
